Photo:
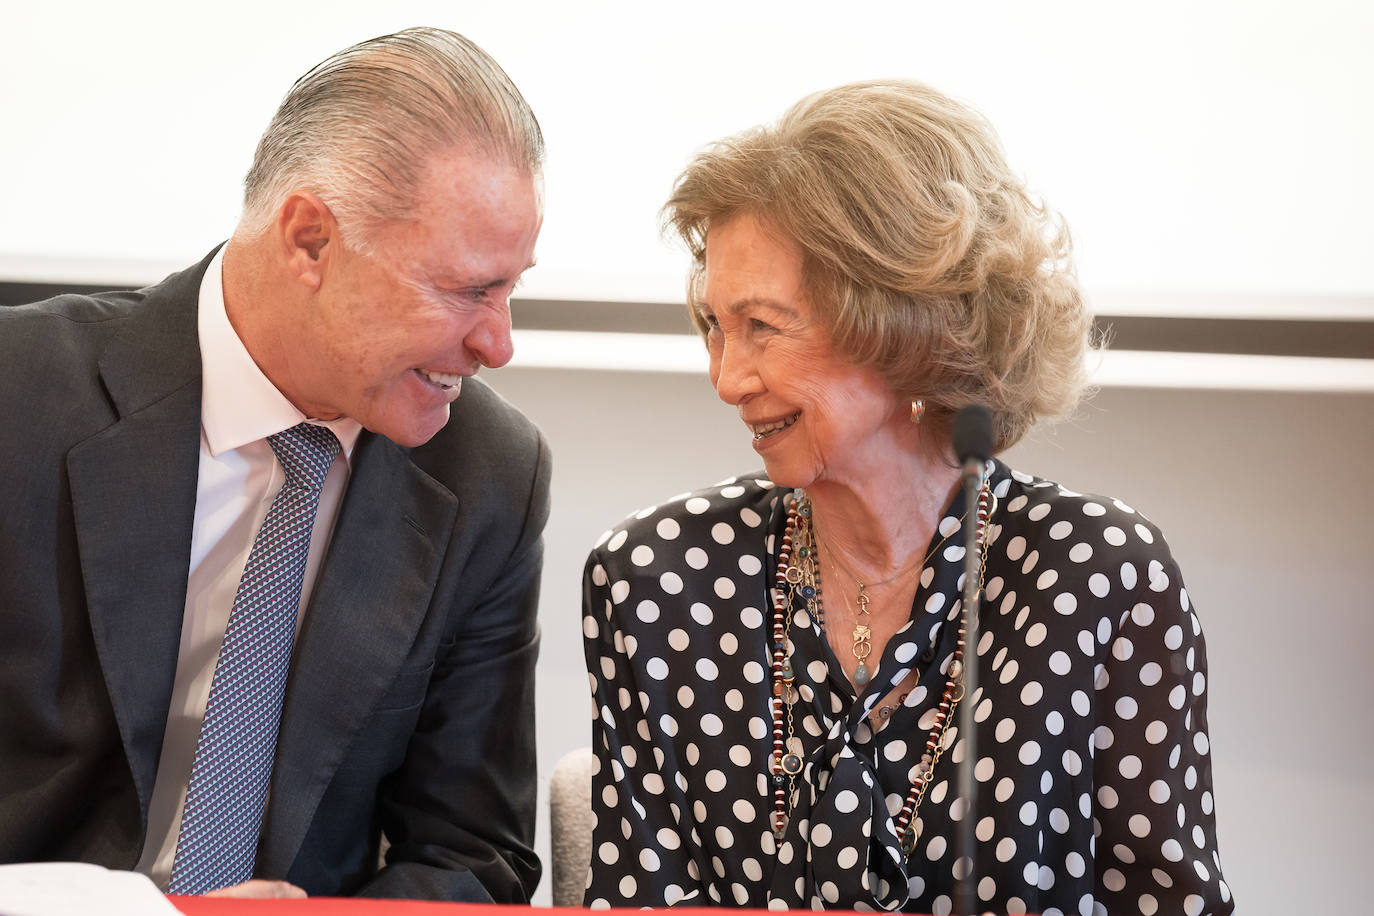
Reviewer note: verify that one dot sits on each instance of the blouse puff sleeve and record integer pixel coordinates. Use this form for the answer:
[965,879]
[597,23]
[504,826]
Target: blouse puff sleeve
[626,849]
[1153,815]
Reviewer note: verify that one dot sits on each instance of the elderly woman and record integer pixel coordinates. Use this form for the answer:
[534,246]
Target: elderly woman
[861,271]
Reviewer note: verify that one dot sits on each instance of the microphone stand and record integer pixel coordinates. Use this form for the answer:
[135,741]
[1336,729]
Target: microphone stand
[973,444]
[966,891]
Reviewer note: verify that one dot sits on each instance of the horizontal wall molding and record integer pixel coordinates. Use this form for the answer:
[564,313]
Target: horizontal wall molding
[679,353]
[1332,327]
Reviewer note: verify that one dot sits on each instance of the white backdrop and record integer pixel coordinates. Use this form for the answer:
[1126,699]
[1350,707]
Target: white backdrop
[1195,147]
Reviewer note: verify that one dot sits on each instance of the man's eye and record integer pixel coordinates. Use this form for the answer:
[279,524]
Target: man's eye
[709,320]
[759,325]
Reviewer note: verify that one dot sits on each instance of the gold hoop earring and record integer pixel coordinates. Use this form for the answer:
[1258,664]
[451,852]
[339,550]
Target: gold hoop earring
[918,410]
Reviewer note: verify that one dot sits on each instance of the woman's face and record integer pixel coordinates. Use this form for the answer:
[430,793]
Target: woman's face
[814,417]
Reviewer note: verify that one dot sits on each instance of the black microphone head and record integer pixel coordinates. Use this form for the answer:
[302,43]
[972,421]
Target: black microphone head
[971,434]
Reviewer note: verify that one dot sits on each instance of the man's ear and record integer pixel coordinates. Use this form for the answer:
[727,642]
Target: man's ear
[305,227]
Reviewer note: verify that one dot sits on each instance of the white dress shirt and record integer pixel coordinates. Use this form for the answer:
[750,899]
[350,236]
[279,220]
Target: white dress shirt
[238,479]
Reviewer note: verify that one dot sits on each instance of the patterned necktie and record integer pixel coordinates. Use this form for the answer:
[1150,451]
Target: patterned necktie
[238,737]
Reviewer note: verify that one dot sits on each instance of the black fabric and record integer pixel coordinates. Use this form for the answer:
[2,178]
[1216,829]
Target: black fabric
[409,706]
[1094,769]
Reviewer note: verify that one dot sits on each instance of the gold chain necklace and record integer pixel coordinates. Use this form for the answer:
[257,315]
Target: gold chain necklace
[862,634]
[801,579]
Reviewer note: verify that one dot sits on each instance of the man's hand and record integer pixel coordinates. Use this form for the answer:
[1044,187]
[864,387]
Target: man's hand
[259,887]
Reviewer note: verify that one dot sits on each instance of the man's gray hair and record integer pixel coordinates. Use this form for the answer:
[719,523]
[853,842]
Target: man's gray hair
[360,127]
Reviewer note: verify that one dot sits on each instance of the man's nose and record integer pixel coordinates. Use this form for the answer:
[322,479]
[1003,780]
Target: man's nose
[489,340]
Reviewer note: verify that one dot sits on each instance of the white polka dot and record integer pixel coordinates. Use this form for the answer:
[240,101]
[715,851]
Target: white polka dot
[1006,848]
[696,558]
[1029,812]
[678,639]
[722,533]
[1038,511]
[750,564]
[1099,585]
[1047,578]
[642,555]
[1065,603]
[647,611]
[1060,530]
[1126,707]
[618,541]
[1072,763]
[608,853]
[1113,880]
[620,591]
[1016,548]
[1074,865]
[1177,696]
[820,835]
[1144,534]
[725,588]
[696,505]
[1060,663]
[707,669]
[1080,552]
[670,582]
[1031,693]
[1139,825]
[656,668]
[668,528]
[1030,752]
[1114,535]
[1173,638]
[1130,766]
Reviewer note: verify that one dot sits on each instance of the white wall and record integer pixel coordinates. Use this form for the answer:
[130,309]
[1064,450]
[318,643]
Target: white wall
[1267,503]
[1219,146]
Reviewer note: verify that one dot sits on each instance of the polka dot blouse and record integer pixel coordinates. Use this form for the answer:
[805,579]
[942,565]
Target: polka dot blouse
[1094,772]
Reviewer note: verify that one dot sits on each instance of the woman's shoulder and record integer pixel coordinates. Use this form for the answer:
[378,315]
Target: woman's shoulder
[1036,517]
[720,512]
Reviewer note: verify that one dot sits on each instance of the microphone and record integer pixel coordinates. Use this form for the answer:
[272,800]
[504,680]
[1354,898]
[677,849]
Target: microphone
[972,438]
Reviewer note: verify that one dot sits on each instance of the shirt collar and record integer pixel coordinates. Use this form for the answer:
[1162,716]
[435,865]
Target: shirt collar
[238,404]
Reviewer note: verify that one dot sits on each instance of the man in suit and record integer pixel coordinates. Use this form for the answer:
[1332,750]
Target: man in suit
[392,205]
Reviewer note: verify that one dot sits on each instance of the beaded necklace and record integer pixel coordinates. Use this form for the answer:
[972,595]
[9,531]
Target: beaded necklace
[798,575]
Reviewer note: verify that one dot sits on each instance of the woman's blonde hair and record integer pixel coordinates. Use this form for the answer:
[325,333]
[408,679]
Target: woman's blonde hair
[925,255]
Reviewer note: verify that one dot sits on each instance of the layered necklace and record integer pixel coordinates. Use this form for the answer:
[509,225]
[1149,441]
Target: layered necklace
[798,581]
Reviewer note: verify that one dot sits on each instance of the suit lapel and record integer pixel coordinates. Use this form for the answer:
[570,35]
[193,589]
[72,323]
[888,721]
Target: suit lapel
[372,595]
[133,490]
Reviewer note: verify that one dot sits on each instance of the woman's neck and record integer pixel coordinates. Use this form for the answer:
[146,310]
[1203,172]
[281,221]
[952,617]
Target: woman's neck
[879,528]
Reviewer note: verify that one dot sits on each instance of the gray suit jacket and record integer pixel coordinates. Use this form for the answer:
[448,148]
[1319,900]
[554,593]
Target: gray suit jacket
[410,703]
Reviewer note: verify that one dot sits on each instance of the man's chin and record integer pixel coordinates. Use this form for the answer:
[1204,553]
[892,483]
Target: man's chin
[414,430]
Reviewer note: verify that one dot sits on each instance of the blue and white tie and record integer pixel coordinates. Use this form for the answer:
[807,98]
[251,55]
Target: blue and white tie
[218,840]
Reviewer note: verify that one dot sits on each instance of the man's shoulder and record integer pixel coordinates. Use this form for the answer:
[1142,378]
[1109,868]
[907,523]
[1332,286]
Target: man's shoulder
[47,329]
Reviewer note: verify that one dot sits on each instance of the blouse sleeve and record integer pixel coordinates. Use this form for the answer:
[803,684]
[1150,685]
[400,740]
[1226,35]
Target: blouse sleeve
[1153,815]
[643,833]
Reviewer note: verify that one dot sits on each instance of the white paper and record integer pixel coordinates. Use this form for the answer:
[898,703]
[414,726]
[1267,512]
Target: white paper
[78,889]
